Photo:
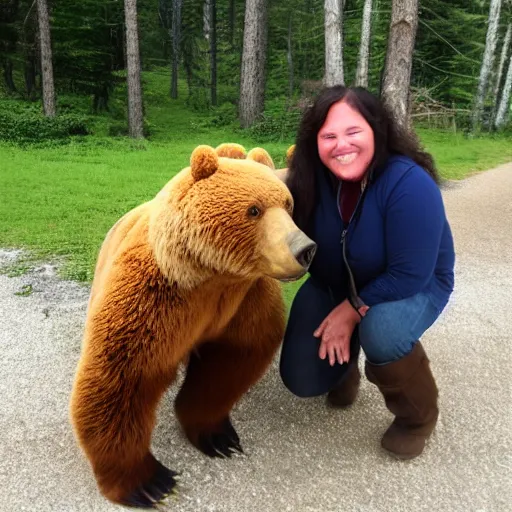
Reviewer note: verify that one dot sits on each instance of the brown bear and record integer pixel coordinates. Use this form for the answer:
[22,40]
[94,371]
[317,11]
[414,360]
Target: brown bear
[189,277]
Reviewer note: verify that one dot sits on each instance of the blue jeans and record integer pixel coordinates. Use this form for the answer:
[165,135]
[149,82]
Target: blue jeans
[387,333]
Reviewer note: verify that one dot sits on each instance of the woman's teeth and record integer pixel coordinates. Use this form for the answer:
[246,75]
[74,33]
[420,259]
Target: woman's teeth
[346,159]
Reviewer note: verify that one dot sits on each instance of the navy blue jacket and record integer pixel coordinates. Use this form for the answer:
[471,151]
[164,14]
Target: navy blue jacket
[400,245]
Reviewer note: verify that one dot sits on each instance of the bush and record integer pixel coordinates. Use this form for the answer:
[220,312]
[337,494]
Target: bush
[118,129]
[277,123]
[217,117]
[23,126]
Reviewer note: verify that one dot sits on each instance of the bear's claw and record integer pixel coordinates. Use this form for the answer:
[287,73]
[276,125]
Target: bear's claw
[155,490]
[221,444]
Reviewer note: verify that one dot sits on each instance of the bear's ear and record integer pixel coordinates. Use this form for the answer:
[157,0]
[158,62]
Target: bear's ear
[261,156]
[203,162]
[289,155]
[231,150]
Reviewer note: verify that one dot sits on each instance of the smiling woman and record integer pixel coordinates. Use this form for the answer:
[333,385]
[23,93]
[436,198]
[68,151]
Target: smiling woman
[367,194]
[346,142]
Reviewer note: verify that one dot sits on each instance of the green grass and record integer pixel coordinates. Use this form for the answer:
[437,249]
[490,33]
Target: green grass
[458,156]
[59,202]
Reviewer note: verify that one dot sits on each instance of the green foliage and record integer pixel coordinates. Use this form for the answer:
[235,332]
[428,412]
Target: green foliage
[24,124]
[223,115]
[89,53]
[118,129]
[88,47]
[449,49]
[278,122]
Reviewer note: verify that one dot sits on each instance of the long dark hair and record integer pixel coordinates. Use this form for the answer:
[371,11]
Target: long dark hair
[389,136]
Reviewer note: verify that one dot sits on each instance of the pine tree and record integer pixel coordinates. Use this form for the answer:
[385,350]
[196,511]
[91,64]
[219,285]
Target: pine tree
[135,113]
[490,47]
[397,73]
[364,47]
[45,46]
[252,78]
[334,43]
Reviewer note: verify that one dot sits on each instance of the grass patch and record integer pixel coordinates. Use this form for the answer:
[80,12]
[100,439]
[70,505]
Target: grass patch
[16,269]
[59,202]
[458,155]
[25,291]
[62,201]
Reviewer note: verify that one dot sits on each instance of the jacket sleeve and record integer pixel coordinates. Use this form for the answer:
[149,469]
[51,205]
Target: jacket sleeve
[414,222]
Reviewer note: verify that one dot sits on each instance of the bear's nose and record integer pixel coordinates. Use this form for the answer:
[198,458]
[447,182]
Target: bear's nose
[302,248]
[305,257]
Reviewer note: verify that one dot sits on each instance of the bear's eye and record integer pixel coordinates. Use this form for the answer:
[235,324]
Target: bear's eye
[253,211]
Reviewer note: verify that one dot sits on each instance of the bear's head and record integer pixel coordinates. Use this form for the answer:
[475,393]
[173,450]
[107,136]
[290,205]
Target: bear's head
[227,214]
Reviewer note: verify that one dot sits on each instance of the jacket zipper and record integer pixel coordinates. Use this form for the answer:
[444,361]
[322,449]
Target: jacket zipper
[353,296]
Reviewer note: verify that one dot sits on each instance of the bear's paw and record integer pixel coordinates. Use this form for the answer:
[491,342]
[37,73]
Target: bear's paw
[153,492]
[221,442]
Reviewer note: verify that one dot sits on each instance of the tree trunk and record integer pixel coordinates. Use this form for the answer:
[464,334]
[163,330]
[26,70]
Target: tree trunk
[30,75]
[333,43]
[135,116]
[213,51]
[45,46]
[176,39]
[504,51]
[254,53]
[490,47]
[9,81]
[206,19]
[364,48]
[502,115]
[100,98]
[397,71]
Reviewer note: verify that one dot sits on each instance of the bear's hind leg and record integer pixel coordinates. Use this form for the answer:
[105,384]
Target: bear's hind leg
[114,419]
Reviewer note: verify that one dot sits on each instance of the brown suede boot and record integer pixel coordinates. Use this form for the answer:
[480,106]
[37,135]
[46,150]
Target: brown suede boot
[345,393]
[410,393]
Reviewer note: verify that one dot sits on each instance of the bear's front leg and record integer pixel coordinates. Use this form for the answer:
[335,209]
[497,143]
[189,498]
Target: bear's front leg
[207,396]
[222,371]
[113,415]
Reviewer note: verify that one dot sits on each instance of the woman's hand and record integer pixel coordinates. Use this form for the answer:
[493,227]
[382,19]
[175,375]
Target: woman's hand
[336,331]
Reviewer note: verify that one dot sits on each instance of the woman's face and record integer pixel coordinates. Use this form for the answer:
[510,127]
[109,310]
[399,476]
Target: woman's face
[345,142]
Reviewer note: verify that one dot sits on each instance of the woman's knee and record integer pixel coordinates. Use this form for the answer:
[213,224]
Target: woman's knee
[297,386]
[389,330]
[383,338]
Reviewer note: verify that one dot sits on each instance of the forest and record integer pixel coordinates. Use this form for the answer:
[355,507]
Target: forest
[97,67]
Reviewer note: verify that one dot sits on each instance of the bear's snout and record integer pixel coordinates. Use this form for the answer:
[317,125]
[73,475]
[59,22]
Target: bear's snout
[287,252]
[302,248]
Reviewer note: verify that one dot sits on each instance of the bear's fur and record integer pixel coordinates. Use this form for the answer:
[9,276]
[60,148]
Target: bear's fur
[188,277]
[282,174]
